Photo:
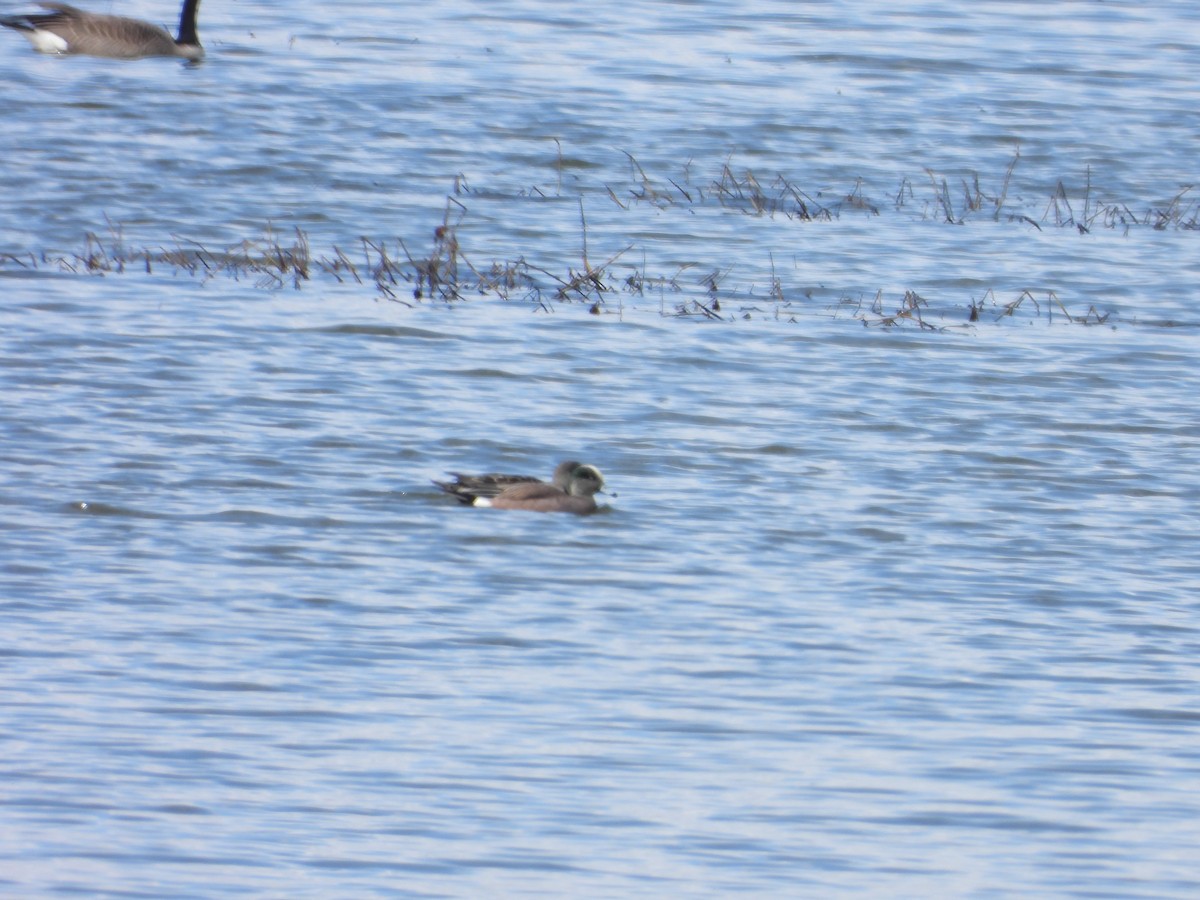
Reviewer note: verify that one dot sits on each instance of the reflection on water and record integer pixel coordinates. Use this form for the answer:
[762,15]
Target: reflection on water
[899,609]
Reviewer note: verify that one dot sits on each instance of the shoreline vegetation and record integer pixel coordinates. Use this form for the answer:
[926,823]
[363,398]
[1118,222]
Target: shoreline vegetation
[445,272]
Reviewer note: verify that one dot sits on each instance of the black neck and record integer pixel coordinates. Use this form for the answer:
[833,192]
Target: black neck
[187,23]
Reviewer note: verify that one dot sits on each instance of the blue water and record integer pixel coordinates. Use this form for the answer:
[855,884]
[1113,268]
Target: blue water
[890,601]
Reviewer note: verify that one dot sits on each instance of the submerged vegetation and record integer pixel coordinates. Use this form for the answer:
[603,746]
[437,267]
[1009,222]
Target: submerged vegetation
[443,271]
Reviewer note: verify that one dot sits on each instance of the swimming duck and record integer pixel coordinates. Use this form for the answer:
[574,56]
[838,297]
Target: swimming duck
[572,490]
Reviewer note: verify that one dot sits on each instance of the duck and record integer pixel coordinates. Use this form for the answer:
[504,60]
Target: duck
[572,489]
[466,487]
[67,30]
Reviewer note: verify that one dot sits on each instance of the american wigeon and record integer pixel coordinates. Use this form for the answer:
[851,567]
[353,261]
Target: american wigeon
[468,487]
[573,490]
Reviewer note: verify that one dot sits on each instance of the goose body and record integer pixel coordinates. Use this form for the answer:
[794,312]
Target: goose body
[66,30]
[573,490]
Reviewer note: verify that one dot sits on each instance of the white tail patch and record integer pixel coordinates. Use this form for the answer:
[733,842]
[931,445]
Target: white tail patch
[46,41]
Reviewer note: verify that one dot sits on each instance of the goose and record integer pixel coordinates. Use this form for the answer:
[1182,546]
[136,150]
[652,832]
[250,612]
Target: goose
[573,490]
[68,30]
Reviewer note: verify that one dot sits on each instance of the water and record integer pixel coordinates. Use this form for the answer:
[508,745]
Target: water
[888,602]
